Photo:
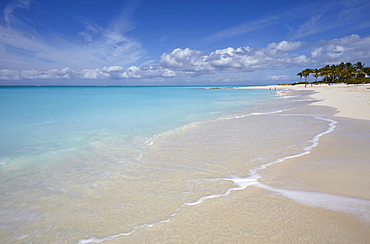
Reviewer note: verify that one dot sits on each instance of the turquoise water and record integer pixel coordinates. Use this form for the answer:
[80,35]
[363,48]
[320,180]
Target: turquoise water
[83,162]
[37,120]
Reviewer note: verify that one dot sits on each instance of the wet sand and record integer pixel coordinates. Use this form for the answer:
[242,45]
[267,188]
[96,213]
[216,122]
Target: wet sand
[340,164]
[321,197]
[253,215]
[181,189]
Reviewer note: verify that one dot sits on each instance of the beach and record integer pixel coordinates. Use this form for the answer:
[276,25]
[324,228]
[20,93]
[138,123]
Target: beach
[253,165]
[340,162]
[184,122]
[320,197]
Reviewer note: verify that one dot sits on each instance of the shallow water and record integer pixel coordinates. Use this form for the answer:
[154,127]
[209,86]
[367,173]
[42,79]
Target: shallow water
[92,164]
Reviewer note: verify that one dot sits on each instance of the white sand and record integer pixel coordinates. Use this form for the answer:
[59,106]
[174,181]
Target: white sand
[351,101]
[335,172]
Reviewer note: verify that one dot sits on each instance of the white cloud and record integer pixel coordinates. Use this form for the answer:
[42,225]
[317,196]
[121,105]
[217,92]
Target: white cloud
[22,45]
[278,77]
[9,16]
[91,74]
[347,49]
[189,63]
[311,18]
[285,46]
[316,52]
[33,74]
[184,60]
[341,17]
[230,59]
[243,29]
[180,62]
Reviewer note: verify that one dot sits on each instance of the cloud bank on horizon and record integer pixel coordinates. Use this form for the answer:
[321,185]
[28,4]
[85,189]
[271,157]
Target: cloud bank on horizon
[40,40]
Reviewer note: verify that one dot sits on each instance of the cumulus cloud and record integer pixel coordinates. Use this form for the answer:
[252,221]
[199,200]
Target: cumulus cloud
[113,72]
[230,59]
[284,45]
[32,74]
[184,60]
[188,62]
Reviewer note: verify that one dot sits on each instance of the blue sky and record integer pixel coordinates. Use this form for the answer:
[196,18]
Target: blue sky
[177,42]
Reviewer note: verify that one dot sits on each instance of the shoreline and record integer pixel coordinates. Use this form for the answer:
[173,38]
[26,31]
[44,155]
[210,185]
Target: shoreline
[346,144]
[289,202]
[274,208]
[269,176]
[349,105]
[351,101]
[335,175]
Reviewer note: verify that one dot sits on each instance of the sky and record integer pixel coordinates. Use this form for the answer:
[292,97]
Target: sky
[177,42]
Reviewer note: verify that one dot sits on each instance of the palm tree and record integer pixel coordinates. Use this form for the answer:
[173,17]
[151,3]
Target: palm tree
[359,65]
[333,72]
[300,76]
[359,68]
[349,64]
[349,72]
[361,73]
[340,72]
[306,73]
[316,75]
[366,70]
[325,71]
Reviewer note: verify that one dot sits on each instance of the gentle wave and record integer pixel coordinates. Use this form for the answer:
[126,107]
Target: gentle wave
[240,183]
[4,161]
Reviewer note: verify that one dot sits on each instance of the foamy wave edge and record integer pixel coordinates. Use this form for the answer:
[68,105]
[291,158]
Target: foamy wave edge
[349,205]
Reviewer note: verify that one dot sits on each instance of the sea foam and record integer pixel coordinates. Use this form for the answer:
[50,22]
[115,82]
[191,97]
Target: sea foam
[252,180]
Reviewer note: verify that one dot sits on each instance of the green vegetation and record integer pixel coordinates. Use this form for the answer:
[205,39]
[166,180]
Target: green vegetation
[342,73]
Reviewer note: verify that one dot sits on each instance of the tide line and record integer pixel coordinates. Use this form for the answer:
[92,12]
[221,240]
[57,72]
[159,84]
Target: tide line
[241,183]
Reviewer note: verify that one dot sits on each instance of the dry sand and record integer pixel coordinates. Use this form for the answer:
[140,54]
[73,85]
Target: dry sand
[321,197]
[351,101]
[340,165]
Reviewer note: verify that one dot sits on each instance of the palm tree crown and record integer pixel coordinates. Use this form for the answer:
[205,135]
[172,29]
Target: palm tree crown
[342,72]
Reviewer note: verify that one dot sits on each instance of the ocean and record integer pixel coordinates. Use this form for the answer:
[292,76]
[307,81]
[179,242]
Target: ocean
[96,164]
